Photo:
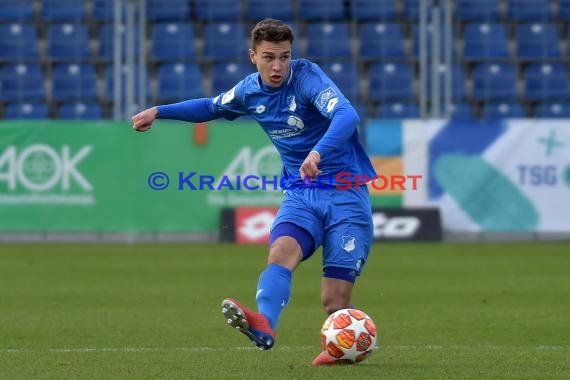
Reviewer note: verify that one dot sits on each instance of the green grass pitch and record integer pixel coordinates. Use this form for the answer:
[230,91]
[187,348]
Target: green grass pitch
[443,311]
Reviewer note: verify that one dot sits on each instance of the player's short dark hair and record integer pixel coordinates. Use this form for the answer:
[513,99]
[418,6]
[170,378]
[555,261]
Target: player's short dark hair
[271,30]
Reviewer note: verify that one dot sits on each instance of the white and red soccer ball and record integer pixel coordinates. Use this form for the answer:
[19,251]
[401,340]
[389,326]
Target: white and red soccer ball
[349,335]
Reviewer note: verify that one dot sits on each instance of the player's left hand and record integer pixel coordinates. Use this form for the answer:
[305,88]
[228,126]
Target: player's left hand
[310,167]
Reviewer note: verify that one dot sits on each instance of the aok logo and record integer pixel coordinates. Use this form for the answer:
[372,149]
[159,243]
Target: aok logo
[263,162]
[40,167]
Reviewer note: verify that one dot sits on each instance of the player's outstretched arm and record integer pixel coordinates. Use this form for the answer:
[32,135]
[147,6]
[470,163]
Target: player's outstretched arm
[142,121]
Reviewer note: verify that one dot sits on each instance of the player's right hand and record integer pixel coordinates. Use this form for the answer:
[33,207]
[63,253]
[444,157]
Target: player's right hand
[142,121]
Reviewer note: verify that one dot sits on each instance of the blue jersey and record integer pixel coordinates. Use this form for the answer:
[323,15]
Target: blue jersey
[296,116]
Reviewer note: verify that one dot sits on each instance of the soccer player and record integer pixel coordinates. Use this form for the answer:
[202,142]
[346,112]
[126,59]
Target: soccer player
[313,126]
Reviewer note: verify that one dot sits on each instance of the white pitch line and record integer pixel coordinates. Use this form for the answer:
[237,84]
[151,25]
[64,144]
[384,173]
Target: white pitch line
[281,348]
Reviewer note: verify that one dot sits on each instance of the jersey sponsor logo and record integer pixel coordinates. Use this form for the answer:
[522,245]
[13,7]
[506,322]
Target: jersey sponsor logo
[296,128]
[348,243]
[228,96]
[324,96]
[332,102]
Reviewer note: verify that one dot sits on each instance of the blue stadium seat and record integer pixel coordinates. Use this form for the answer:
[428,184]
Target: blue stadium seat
[511,110]
[328,41]
[63,10]
[225,41]
[379,40]
[16,10]
[416,41]
[544,81]
[390,81]
[398,110]
[478,10]
[537,41]
[104,10]
[107,41]
[494,81]
[462,112]
[220,10]
[485,41]
[19,42]
[22,82]
[552,110]
[80,111]
[28,111]
[458,80]
[564,10]
[110,83]
[317,10]
[528,10]
[362,110]
[68,42]
[345,76]
[411,9]
[173,41]
[282,10]
[173,10]
[227,75]
[179,81]
[373,10]
[74,82]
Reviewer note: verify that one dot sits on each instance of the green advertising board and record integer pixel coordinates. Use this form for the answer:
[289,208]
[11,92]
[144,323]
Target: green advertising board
[84,176]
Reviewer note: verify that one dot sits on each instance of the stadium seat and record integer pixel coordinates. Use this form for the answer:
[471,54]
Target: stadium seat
[552,110]
[478,10]
[107,41]
[68,42]
[537,41]
[485,41]
[16,10]
[379,40]
[362,111]
[458,80]
[390,81]
[546,82]
[316,10]
[411,9]
[345,76]
[29,111]
[461,112]
[282,10]
[220,10]
[564,10]
[22,82]
[227,75]
[397,110]
[179,81]
[173,10]
[493,111]
[110,83]
[63,10]
[528,10]
[494,81]
[224,41]
[373,10]
[74,82]
[19,42]
[173,41]
[80,111]
[328,41]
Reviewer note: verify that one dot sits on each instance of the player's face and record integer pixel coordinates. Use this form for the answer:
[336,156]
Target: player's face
[272,60]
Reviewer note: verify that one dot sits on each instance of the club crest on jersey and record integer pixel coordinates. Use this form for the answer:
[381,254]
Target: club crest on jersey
[292,103]
[324,96]
[348,243]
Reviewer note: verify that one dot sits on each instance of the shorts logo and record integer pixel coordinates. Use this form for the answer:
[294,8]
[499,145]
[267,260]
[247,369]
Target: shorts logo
[324,96]
[348,243]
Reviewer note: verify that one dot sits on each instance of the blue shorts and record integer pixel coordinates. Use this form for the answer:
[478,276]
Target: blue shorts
[338,220]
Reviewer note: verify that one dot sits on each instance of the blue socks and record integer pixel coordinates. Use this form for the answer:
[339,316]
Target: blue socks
[273,292]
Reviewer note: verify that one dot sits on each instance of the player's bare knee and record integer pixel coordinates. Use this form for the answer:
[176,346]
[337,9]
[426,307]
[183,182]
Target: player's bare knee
[286,252]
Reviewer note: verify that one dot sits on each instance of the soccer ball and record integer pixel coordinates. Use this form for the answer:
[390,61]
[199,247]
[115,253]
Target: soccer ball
[349,335]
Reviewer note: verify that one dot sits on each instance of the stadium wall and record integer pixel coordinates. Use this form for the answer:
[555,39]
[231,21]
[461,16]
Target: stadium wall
[72,181]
